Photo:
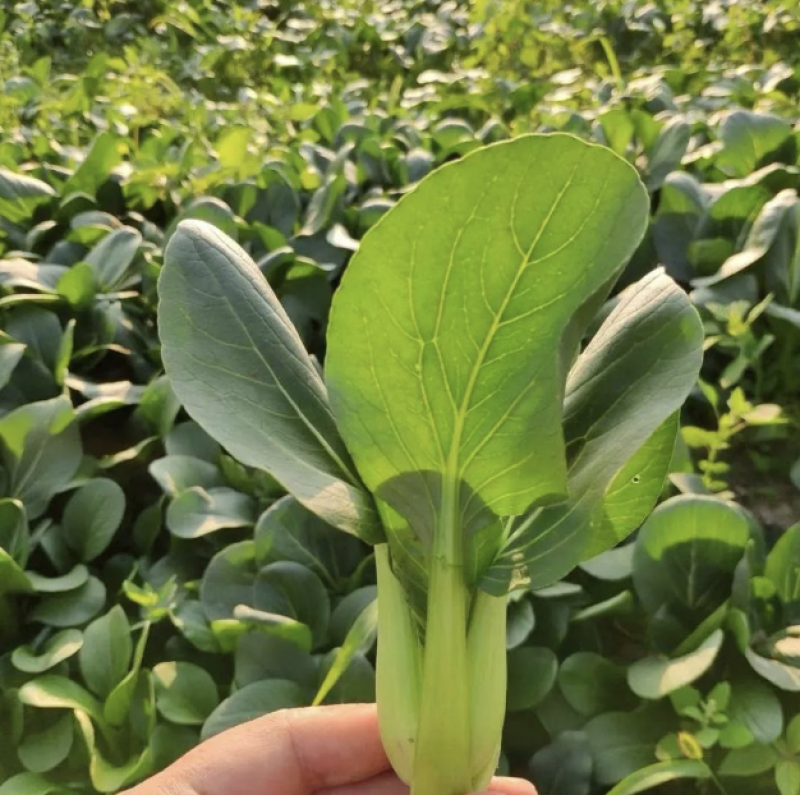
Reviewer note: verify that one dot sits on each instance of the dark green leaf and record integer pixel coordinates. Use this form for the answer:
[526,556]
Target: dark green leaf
[106,652]
[185,693]
[92,517]
[267,403]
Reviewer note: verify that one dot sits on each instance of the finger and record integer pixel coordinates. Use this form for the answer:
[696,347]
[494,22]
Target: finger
[386,784]
[512,786]
[292,752]
[389,784]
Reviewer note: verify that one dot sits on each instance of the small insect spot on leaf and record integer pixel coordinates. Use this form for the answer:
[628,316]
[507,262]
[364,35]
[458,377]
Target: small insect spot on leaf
[637,479]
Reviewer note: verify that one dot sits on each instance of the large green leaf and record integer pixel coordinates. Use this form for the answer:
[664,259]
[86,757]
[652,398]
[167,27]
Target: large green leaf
[41,451]
[240,369]
[445,360]
[620,425]
[686,554]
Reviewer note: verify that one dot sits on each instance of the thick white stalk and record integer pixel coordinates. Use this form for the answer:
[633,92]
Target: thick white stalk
[398,670]
[486,648]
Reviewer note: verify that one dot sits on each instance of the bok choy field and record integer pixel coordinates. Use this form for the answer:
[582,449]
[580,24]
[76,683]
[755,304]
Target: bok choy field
[205,377]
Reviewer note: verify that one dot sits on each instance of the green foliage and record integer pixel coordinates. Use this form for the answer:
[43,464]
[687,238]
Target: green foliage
[140,559]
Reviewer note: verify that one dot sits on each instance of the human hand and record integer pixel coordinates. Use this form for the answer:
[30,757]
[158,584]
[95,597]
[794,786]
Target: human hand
[315,751]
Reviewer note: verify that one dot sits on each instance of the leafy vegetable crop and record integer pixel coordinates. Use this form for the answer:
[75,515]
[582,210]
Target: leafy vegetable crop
[461,425]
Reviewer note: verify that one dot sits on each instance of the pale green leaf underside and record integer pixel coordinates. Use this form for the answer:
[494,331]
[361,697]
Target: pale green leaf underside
[240,369]
[445,334]
[620,424]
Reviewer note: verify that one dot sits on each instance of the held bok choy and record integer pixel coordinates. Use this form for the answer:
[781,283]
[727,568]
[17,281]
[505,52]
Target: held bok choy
[462,426]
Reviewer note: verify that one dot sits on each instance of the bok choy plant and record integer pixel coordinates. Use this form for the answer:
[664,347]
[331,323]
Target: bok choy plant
[463,426]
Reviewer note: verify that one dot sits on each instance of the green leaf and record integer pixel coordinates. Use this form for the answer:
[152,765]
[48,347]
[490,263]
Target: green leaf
[783,568]
[169,743]
[56,649]
[661,773]
[755,705]
[617,474]
[520,622]
[686,554]
[106,652]
[355,684]
[748,139]
[117,707]
[613,565]
[185,693]
[253,701]
[12,578]
[291,590]
[228,580]
[656,677]
[92,517]
[532,673]
[10,354]
[105,776]
[748,761]
[78,286]
[666,153]
[177,473]
[260,656]
[760,239]
[781,674]
[112,257]
[735,735]
[71,608]
[58,692]
[197,512]
[20,195]
[787,776]
[77,576]
[623,743]
[239,367]
[793,735]
[323,204]
[564,767]
[287,531]
[44,750]
[467,320]
[360,639]
[209,210]
[190,440]
[41,451]
[101,158]
[29,784]
[591,684]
